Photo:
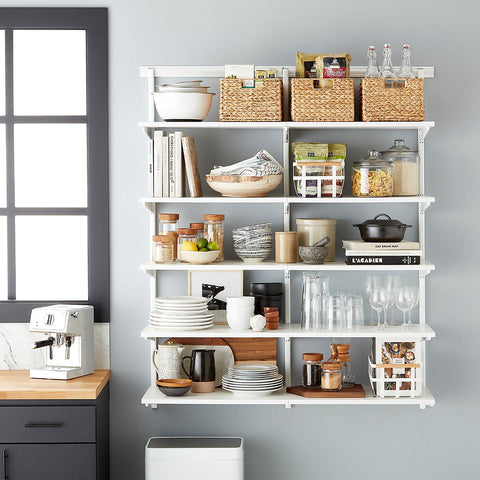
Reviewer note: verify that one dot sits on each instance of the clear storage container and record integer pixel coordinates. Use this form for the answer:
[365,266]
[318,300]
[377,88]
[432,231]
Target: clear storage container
[405,164]
[372,176]
[200,228]
[214,230]
[168,222]
[312,370]
[163,248]
[331,376]
[185,235]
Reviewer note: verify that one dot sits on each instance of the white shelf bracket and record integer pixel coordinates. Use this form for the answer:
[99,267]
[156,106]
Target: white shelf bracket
[423,207]
[422,133]
[288,405]
[423,273]
[286,275]
[286,208]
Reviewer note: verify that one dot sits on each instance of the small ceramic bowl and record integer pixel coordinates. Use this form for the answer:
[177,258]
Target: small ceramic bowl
[313,255]
[200,258]
[174,387]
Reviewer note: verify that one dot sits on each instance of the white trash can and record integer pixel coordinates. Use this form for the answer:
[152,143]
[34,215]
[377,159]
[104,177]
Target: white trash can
[199,458]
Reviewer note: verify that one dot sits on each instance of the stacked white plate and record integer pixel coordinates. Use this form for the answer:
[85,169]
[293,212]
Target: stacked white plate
[181,313]
[252,379]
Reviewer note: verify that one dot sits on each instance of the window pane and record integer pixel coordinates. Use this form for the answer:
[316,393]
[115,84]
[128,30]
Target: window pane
[3,168]
[51,258]
[3,258]
[2,72]
[49,72]
[50,165]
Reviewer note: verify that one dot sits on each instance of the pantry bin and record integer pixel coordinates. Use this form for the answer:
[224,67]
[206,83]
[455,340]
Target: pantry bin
[199,458]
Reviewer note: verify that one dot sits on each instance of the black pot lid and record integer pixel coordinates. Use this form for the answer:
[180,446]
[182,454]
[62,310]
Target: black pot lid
[388,222]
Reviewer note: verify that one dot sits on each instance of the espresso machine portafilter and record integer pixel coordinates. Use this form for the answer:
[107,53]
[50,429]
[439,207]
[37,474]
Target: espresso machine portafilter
[69,351]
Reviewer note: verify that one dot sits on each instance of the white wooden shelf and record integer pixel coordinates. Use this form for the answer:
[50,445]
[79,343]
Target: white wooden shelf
[425,126]
[294,331]
[151,267]
[154,397]
[151,202]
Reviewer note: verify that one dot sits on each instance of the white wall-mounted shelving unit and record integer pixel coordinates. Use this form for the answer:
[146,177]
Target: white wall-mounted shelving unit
[288,331]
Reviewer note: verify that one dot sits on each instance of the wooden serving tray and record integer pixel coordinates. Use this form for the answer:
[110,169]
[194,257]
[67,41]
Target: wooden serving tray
[355,392]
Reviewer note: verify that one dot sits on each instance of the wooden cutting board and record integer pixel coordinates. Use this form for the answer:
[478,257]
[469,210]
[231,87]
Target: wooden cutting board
[355,392]
[245,350]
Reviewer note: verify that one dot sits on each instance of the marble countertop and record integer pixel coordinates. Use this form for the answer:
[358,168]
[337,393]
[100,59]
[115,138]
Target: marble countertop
[17,385]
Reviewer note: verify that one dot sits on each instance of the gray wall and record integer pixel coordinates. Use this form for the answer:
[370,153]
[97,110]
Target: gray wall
[308,442]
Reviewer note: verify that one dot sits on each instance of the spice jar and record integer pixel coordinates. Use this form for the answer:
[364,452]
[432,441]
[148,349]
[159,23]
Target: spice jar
[405,169]
[312,370]
[214,229]
[185,235]
[311,230]
[200,228]
[372,176]
[331,376]
[286,247]
[168,222]
[163,248]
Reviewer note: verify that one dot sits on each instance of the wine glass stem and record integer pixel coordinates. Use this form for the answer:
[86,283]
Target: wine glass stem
[404,318]
[379,321]
[409,317]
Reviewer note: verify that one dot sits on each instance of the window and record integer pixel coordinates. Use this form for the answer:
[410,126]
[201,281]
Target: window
[53,160]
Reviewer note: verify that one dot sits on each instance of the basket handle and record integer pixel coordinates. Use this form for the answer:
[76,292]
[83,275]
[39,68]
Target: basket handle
[322,83]
[394,83]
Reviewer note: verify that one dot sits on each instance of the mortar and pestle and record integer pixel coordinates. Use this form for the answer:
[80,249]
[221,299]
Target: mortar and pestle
[315,254]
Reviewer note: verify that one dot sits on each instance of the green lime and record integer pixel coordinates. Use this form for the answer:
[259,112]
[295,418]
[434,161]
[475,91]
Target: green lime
[202,243]
[203,250]
[213,246]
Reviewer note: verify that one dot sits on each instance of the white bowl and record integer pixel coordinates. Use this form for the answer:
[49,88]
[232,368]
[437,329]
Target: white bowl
[200,258]
[240,310]
[186,106]
[243,186]
[189,83]
[238,322]
[240,301]
[174,88]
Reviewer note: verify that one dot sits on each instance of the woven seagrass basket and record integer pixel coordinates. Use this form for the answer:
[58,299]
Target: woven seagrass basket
[385,100]
[322,100]
[263,103]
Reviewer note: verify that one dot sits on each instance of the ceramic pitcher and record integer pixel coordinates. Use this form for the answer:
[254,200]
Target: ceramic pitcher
[167,360]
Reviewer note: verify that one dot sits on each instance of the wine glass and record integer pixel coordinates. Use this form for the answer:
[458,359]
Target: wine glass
[378,301]
[392,282]
[415,295]
[405,301]
[372,282]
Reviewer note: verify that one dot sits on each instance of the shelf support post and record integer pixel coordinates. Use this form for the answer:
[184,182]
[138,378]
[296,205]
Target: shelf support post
[286,296]
[286,158]
[151,90]
[288,361]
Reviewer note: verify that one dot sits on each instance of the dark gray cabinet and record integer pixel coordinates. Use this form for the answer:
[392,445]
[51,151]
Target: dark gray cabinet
[58,439]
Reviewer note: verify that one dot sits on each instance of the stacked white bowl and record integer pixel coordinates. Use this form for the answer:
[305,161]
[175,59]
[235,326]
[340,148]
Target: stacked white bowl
[239,312]
[187,101]
[253,243]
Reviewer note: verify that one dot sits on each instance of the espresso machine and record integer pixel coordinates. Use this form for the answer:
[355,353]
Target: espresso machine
[69,340]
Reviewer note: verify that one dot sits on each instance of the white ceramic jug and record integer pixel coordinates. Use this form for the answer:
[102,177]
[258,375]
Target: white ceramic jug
[167,360]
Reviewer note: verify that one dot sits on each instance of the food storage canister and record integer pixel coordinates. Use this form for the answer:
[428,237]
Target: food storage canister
[311,230]
[405,169]
[331,376]
[186,235]
[214,228]
[168,222]
[200,228]
[372,176]
[286,247]
[312,370]
[163,248]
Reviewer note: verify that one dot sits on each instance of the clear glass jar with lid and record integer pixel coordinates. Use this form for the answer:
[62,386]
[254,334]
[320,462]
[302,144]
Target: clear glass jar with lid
[168,222]
[200,228]
[348,375]
[405,169]
[185,235]
[163,248]
[312,370]
[372,176]
[214,230]
[331,376]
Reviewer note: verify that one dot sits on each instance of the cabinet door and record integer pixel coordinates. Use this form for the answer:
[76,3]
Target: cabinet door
[47,461]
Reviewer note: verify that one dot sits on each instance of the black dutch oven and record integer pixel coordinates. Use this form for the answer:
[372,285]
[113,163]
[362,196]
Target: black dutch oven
[382,230]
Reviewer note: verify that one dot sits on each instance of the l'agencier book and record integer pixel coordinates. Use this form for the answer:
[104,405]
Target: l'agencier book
[399,257]
[358,245]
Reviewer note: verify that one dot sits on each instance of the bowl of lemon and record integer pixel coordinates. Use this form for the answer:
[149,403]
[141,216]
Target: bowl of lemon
[200,252]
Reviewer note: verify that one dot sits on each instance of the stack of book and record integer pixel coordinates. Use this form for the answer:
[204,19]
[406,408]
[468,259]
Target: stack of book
[171,157]
[381,253]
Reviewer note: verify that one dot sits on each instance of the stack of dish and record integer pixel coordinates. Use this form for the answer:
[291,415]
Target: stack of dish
[253,243]
[252,379]
[181,313]
[183,101]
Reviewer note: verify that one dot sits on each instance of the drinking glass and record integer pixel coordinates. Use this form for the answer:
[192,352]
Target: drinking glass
[354,314]
[371,282]
[311,318]
[378,301]
[405,300]
[415,295]
[335,311]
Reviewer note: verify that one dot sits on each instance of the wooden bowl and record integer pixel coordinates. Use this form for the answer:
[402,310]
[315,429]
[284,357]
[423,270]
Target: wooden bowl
[243,185]
[174,387]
